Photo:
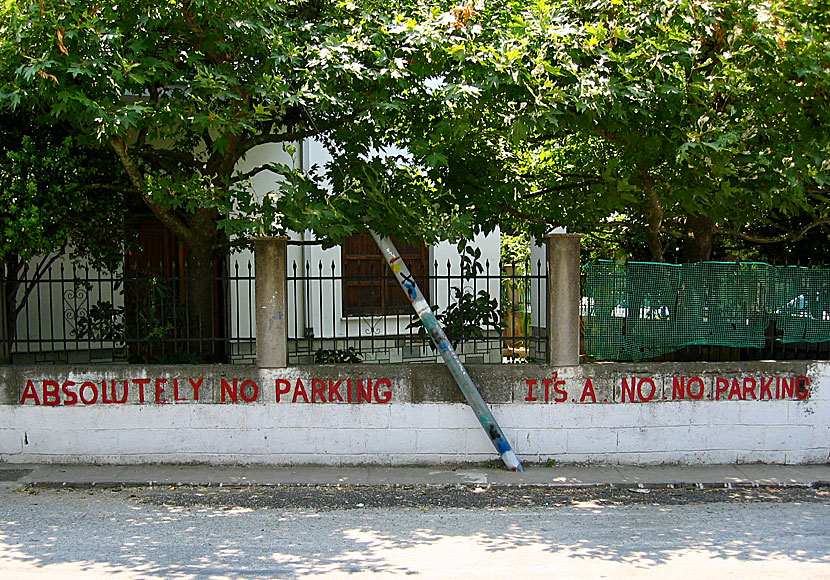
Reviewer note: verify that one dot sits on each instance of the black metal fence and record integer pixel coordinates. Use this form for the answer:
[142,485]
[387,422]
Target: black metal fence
[486,308]
[75,314]
[493,313]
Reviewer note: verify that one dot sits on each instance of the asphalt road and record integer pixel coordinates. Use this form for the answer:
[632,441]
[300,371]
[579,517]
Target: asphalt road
[413,531]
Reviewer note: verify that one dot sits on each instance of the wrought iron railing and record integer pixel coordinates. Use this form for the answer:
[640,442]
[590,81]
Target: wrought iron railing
[75,314]
[485,309]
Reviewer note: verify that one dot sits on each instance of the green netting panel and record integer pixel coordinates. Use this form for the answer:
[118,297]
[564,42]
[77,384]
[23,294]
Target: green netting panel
[604,327]
[800,304]
[639,310]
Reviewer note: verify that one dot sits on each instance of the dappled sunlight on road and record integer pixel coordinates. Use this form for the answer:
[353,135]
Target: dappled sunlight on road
[117,534]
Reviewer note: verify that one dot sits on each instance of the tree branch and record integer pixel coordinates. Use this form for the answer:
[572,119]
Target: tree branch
[789,237]
[201,42]
[40,271]
[563,187]
[298,135]
[170,220]
[207,139]
[272,167]
[168,159]
[534,218]
[110,187]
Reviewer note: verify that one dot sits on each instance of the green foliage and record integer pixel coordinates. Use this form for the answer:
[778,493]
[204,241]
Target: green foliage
[49,195]
[469,315]
[103,322]
[184,92]
[146,325]
[515,251]
[348,355]
[665,118]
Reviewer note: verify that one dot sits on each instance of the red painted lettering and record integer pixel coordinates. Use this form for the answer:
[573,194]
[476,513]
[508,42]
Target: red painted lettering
[29,392]
[651,392]
[104,398]
[176,392]
[386,395]
[141,384]
[530,384]
[94,390]
[318,390]
[282,387]
[364,394]
[700,388]
[561,394]
[244,389]
[735,391]
[124,394]
[334,391]
[721,386]
[299,390]
[228,391]
[766,388]
[51,393]
[160,390]
[787,389]
[628,390]
[196,386]
[234,390]
[749,388]
[588,391]
[801,387]
[69,397]
[680,389]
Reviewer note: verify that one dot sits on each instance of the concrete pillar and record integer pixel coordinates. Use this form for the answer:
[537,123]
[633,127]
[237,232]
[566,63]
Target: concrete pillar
[271,302]
[563,298]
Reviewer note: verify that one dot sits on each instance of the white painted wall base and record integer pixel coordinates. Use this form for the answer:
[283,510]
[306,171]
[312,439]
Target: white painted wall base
[402,432]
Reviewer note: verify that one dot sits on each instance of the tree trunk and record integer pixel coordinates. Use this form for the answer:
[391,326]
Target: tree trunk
[697,246]
[202,327]
[655,217]
[205,320]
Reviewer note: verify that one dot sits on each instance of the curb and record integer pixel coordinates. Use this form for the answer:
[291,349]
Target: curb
[550,486]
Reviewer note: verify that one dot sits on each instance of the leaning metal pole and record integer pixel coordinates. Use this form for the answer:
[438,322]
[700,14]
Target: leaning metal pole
[442,343]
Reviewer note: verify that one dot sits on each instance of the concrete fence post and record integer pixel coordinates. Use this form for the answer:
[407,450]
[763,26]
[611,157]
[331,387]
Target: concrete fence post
[270,259]
[563,298]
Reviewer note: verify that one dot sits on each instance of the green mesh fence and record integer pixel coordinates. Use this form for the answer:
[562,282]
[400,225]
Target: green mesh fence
[640,310]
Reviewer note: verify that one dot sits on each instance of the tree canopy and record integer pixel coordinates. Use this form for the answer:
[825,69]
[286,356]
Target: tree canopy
[182,91]
[678,119]
[57,194]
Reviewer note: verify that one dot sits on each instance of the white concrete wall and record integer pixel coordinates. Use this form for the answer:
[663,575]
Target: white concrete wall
[404,431]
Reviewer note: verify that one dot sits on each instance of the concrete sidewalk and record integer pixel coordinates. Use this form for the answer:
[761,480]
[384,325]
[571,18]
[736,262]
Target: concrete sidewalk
[557,476]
